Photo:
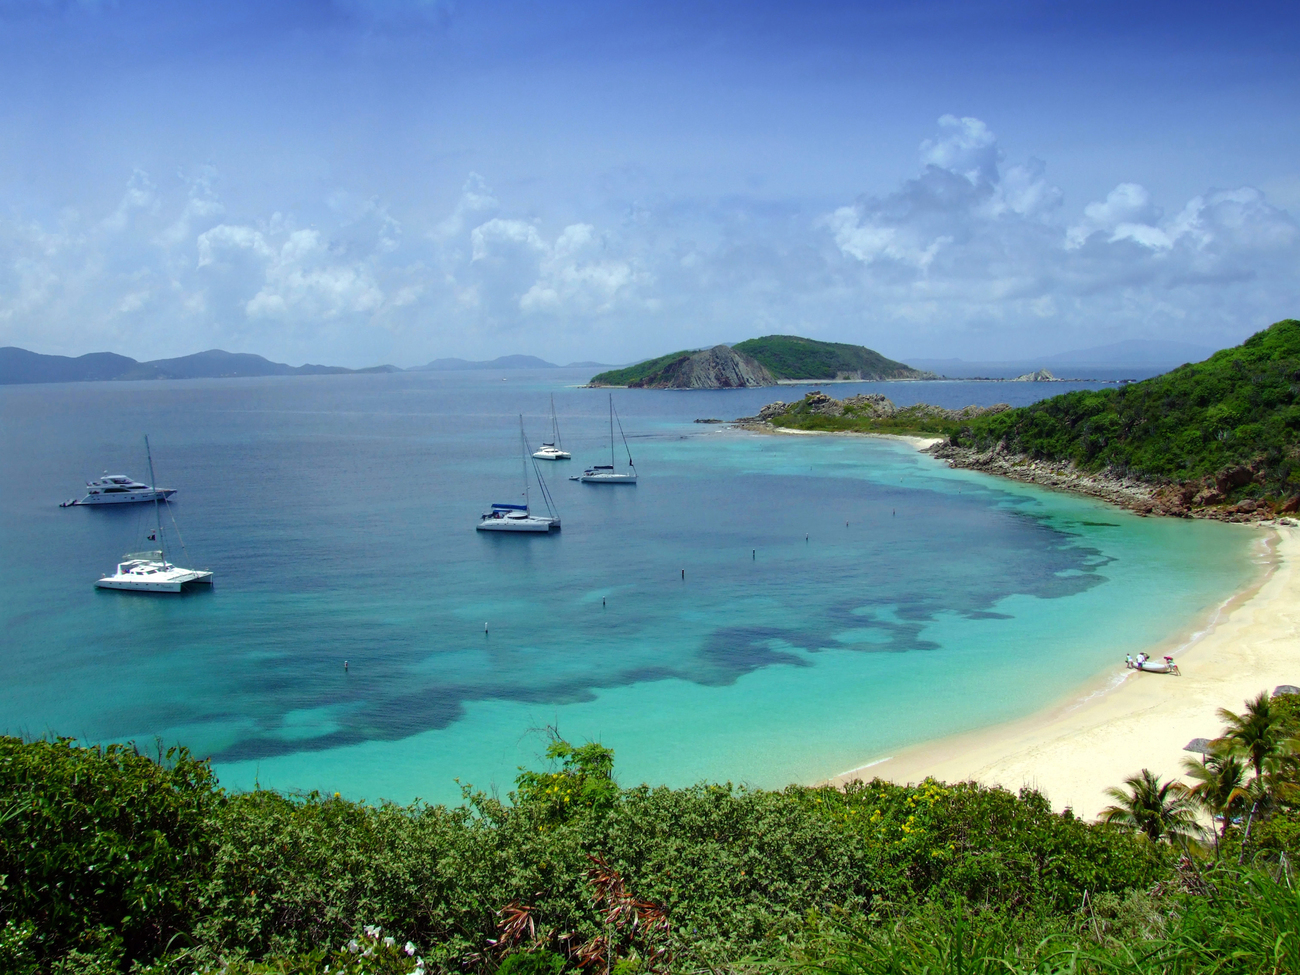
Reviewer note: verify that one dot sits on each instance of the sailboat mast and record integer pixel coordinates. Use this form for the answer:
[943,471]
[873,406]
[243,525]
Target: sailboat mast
[523,443]
[611,430]
[555,424]
[153,486]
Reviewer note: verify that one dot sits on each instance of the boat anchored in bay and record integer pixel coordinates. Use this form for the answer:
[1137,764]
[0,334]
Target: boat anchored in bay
[149,571]
[512,517]
[606,473]
[119,489]
[553,449]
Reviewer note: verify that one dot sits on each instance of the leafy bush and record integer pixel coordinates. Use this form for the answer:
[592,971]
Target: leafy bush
[102,850]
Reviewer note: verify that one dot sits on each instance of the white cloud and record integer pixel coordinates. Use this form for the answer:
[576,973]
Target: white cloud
[975,255]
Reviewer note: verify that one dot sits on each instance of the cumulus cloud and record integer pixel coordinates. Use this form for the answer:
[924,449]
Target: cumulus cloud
[975,255]
[972,239]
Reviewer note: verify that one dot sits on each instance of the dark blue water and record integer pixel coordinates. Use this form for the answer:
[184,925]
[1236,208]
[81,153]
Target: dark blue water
[841,595]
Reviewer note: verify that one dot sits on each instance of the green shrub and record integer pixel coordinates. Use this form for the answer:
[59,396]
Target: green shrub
[102,850]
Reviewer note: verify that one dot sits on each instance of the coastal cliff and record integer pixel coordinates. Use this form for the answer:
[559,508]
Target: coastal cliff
[720,367]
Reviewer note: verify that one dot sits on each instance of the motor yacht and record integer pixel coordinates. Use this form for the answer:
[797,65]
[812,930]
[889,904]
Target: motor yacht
[119,489]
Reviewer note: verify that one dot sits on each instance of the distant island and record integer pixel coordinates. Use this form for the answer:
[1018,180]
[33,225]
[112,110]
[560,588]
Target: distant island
[19,366]
[760,362]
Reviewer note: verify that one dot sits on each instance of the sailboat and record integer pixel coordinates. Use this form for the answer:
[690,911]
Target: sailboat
[519,517]
[605,473]
[553,449]
[150,571]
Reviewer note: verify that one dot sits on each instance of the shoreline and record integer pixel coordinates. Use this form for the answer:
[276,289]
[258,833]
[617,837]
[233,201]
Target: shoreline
[1122,721]
[921,443]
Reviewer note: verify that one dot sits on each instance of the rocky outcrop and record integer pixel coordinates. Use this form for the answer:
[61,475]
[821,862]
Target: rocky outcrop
[720,367]
[1041,376]
[1191,499]
[868,406]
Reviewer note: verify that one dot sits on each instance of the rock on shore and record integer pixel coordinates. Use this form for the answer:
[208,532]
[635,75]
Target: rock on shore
[868,406]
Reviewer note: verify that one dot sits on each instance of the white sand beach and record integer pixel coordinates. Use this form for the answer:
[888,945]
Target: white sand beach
[1129,720]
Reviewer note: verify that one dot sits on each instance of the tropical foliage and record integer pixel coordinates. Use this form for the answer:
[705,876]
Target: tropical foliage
[113,861]
[794,357]
[1233,420]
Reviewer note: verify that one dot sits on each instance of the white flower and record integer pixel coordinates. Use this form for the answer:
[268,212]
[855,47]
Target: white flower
[373,930]
[410,947]
[390,942]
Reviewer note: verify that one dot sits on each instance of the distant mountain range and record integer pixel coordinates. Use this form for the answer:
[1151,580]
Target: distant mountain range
[19,366]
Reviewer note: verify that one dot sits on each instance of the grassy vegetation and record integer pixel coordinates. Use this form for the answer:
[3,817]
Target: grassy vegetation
[111,861]
[793,357]
[1240,408]
[630,374]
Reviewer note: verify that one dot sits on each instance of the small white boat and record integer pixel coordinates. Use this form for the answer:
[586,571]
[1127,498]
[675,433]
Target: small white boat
[119,489]
[1152,666]
[553,449]
[606,473]
[513,517]
[150,571]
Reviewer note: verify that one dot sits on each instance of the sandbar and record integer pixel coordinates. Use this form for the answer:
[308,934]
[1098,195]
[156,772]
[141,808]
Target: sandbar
[1126,720]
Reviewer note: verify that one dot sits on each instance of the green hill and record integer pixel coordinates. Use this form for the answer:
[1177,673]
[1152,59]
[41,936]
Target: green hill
[785,357]
[630,374]
[793,357]
[1225,428]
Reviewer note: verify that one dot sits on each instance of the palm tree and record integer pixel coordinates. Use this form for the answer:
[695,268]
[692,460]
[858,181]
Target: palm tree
[1220,788]
[1258,735]
[1158,809]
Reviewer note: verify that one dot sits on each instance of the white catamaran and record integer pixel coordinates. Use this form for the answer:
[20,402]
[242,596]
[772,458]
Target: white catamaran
[553,449]
[518,517]
[150,571]
[605,473]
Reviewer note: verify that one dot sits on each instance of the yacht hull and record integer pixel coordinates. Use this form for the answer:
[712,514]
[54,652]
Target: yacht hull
[607,478]
[133,497]
[160,582]
[519,525]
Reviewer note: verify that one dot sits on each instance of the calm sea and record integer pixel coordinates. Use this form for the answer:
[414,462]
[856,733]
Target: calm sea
[841,597]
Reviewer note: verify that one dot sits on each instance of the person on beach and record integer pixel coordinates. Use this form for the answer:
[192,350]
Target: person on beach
[1128,661]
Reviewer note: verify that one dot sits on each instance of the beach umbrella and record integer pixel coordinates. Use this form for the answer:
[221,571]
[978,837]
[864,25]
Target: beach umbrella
[1199,745]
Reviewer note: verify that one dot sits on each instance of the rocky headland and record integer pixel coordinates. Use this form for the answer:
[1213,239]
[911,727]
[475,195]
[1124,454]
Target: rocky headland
[865,407]
[1202,498]
[720,367]
[873,413]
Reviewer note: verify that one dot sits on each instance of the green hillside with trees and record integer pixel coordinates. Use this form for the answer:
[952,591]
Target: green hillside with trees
[793,357]
[1233,419]
[785,357]
[630,374]
[114,862]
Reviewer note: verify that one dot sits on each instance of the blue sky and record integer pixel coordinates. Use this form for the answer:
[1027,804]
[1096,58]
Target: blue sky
[366,181]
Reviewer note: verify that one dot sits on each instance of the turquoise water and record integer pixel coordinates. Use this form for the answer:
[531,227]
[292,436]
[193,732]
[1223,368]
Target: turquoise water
[842,597]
